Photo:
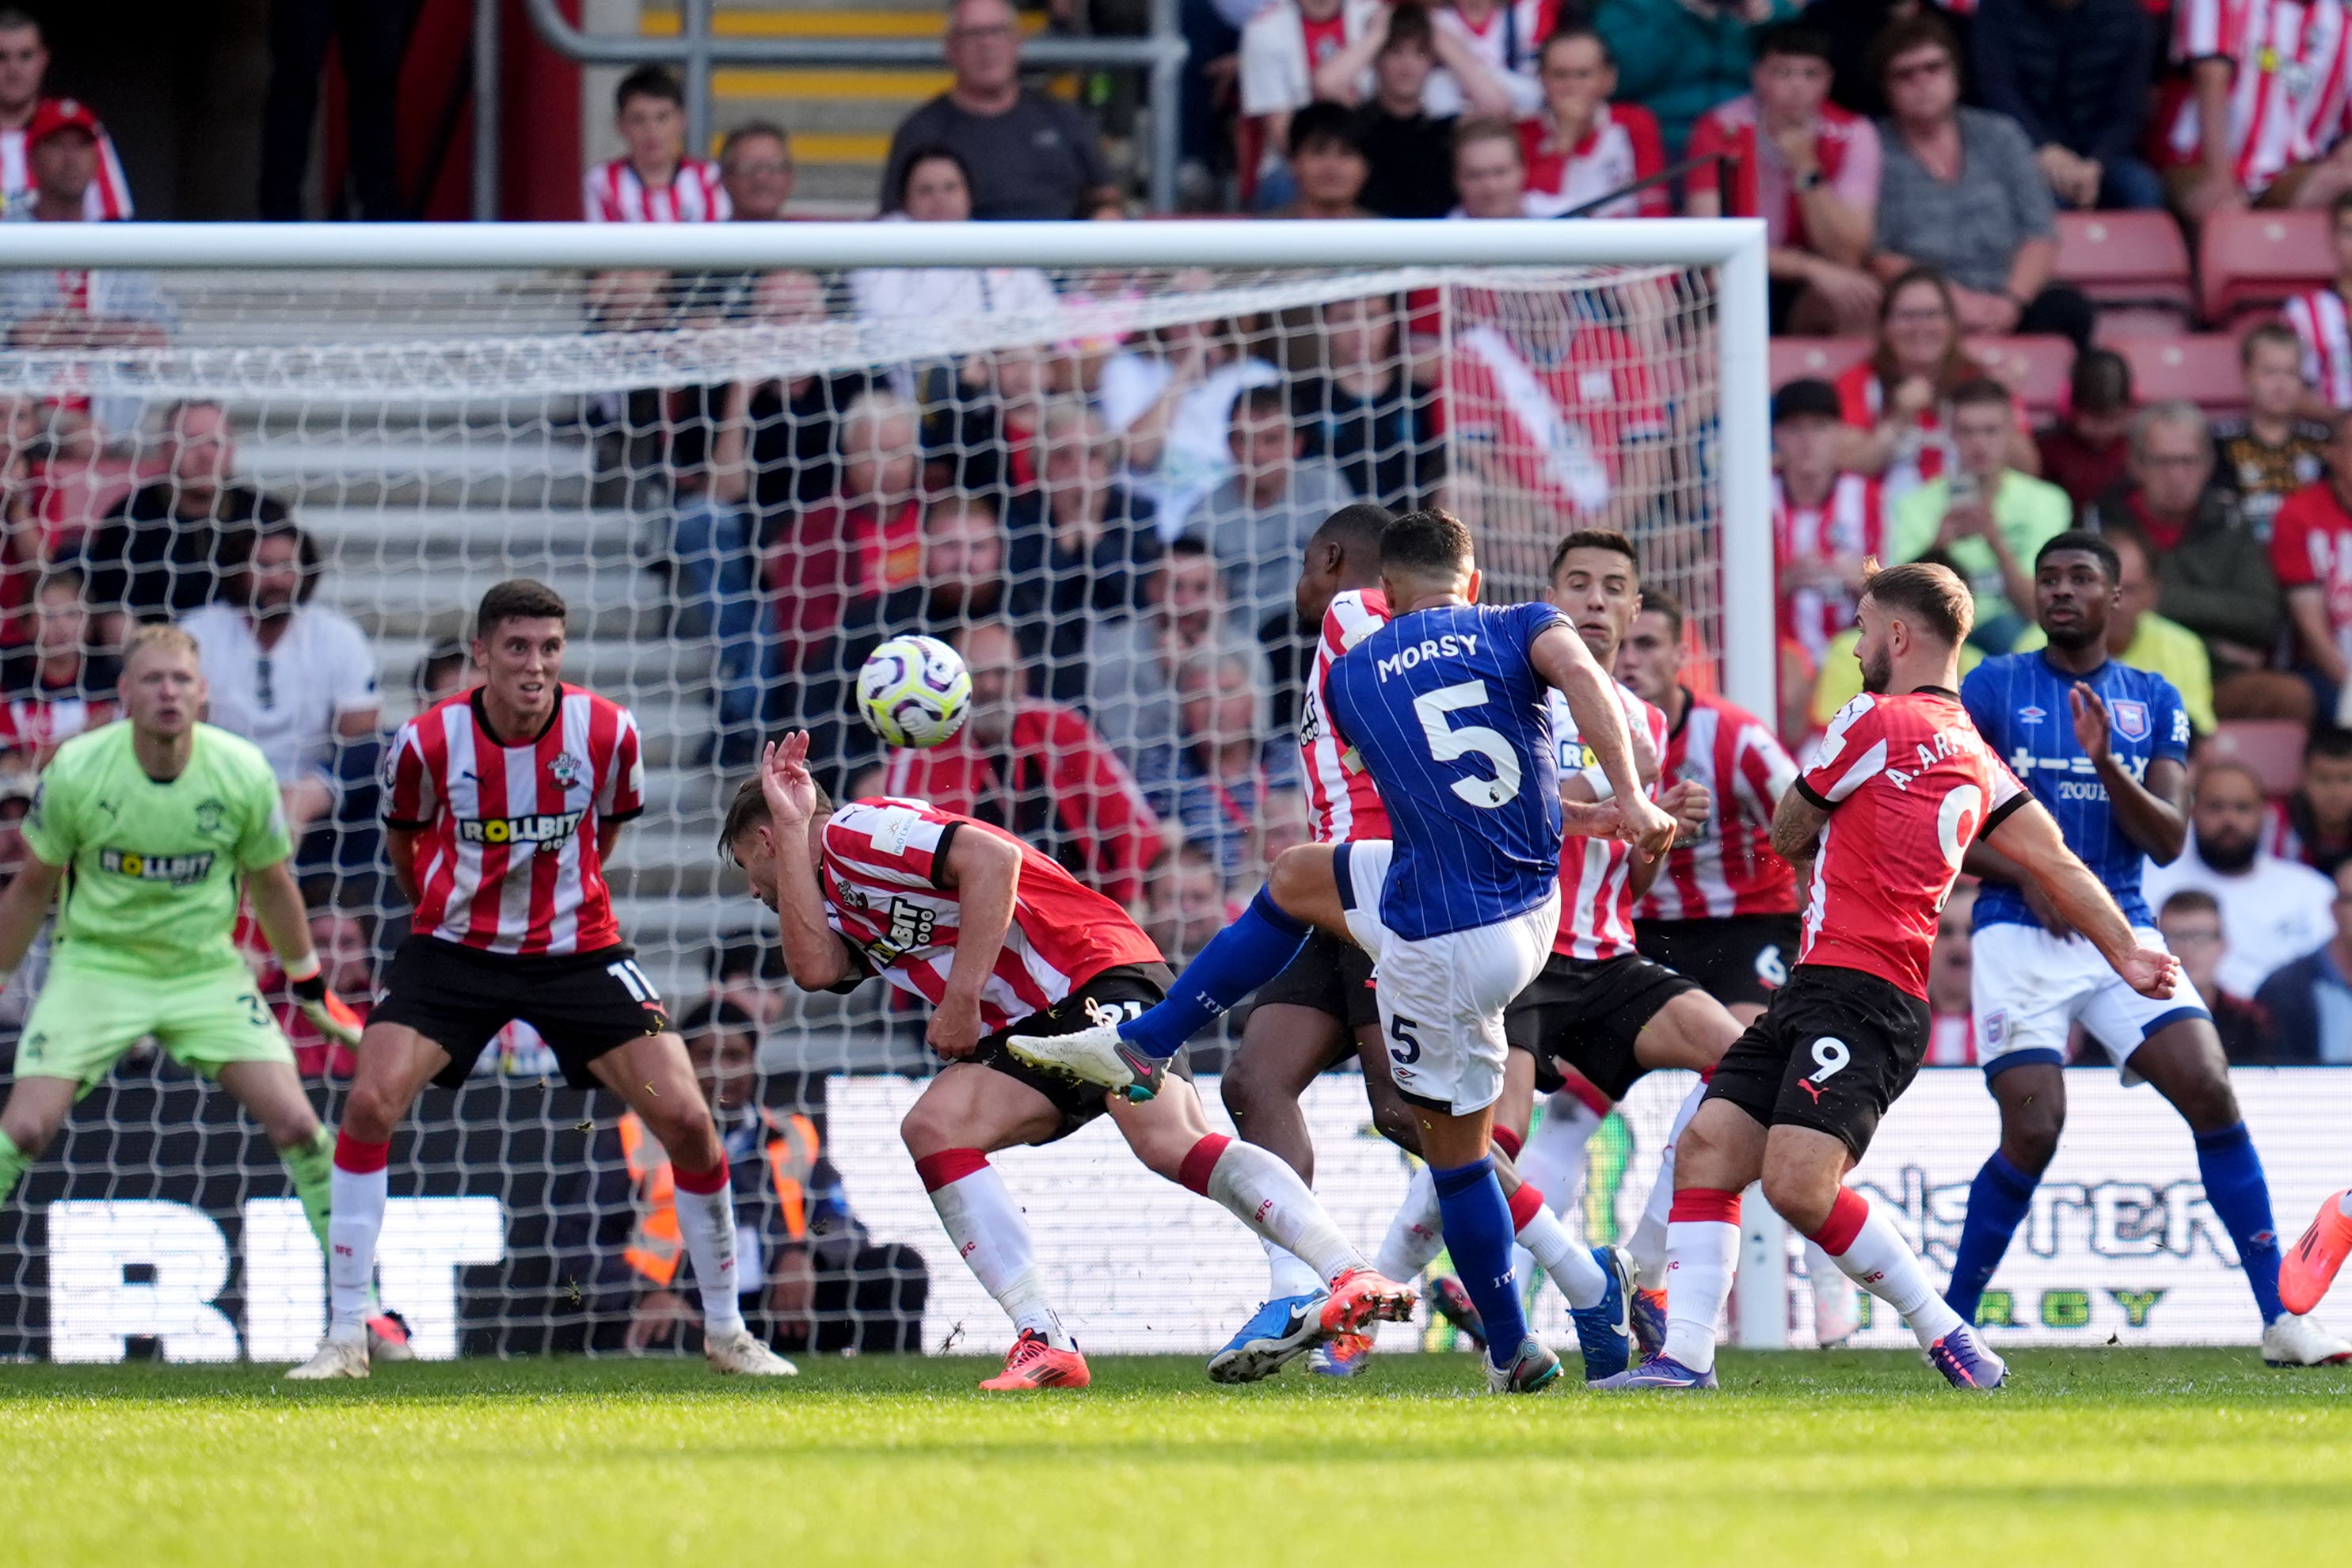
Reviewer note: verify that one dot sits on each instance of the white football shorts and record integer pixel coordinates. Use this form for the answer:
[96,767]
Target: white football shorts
[2029,988]
[1441,999]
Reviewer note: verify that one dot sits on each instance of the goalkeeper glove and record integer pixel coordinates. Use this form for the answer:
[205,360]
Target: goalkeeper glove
[328,1012]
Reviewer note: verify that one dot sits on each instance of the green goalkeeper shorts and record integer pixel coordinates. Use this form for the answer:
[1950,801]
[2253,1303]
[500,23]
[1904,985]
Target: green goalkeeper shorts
[84,1021]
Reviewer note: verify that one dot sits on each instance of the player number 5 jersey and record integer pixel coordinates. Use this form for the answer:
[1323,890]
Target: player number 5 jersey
[507,860]
[1908,785]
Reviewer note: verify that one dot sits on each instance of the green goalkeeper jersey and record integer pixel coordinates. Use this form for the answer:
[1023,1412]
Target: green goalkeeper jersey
[153,869]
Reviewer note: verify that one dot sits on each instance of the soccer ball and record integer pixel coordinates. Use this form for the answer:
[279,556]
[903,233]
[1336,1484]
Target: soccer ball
[914,691]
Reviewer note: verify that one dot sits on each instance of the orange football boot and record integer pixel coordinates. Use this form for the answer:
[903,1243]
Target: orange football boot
[1036,1363]
[2310,1265]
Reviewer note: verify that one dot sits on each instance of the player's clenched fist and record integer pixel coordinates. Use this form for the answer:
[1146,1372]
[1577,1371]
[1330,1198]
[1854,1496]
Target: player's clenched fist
[2152,971]
[1646,826]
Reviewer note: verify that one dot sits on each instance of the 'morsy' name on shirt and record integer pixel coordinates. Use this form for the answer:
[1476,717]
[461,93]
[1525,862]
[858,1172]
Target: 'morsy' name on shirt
[1451,646]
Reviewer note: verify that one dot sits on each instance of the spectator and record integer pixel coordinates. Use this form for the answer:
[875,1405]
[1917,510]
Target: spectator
[1681,58]
[2191,923]
[1827,522]
[2314,824]
[296,679]
[1258,520]
[445,669]
[2085,453]
[1036,769]
[1951,1015]
[1582,147]
[2214,575]
[1490,170]
[1853,28]
[2274,911]
[2073,75]
[55,686]
[755,168]
[1187,904]
[2310,556]
[2271,451]
[1482,62]
[1960,192]
[1985,518]
[1897,401]
[1360,408]
[1027,156]
[867,539]
[1081,543]
[1170,402]
[2139,637]
[1132,663]
[1214,782]
[369,43]
[1408,150]
[2323,323]
[654,181]
[1810,170]
[1282,822]
[1327,166]
[23,62]
[1283,49]
[935,186]
[2308,1003]
[749,974]
[166,548]
[2247,130]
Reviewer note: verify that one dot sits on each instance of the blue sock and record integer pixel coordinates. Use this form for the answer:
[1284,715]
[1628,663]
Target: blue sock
[1237,961]
[2235,1186]
[1997,1201]
[1478,1238]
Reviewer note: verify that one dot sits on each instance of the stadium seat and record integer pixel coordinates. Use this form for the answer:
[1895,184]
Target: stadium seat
[2200,367]
[2128,259]
[2272,747]
[2037,369]
[1822,359]
[2249,261]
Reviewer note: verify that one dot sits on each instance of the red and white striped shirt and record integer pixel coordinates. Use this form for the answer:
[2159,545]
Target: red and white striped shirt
[1557,425]
[1850,523]
[507,861]
[2324,327]
[1596,901]
[107,199]
[1342,802]
[1922,456]
[2287,88]
[884,864]
[614,193]
[1620,146]
[1729,869]
[1951,1041]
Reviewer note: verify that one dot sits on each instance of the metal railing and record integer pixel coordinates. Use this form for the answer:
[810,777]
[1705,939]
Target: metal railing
[696,48]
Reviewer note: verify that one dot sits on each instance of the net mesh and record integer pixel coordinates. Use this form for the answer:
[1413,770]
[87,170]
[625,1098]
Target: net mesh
[1097,483]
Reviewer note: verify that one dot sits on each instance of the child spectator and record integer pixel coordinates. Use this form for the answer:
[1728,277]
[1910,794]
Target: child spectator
[2314,824]
[1580,146]
[1327,166]
[1409,150]
[654,181]
[2271,451]
[1827,522]
[1283,48]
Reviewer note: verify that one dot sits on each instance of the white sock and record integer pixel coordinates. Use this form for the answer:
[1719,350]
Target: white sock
[1702,1250]
[1880,1261]
[1415,1234]
[354,1221]
[1553,1159]
[707,1222]
[1257,1188]
[1564,1257]
[1833,1313]
[1648,1242]
[1286,1275]
[993,1239]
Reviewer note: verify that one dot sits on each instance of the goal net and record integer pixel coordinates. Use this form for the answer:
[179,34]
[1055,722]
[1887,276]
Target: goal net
[1096,480]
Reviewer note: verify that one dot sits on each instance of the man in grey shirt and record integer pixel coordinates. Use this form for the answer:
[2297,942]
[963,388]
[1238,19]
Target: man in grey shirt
[1960,192]
[1258,520]
[1028,155]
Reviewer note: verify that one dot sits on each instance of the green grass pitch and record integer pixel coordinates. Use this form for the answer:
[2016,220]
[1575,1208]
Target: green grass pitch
[2126,1457]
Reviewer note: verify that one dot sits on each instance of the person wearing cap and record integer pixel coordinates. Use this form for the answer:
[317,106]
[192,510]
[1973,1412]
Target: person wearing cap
[61,157]
[1826,521]
[24,63]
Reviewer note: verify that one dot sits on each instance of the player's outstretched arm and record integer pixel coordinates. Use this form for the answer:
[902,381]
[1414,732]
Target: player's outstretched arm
[286,924]
[2029,835]
[812,953]
[985,872]
[1561,657]
[23,907]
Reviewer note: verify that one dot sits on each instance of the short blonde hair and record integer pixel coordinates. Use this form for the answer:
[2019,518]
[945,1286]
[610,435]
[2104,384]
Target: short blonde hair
[162,634]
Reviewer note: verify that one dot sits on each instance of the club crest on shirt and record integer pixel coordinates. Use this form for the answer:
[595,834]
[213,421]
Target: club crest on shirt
[2131,718]
[564,769]
[209,815]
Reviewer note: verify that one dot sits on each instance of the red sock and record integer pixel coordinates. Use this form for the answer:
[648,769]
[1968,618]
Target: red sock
[1704,1204]
[702,1182]
[1201,1159]
[1843,1223]
[948,1165]
[1525,1203]
[1509,1142]
[361,1159]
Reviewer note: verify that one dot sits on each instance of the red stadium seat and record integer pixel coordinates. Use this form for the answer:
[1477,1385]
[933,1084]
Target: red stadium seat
[2133,259]
[2196,367]
[2037,369]
[1819,359]
[2254,260]
[2272,747]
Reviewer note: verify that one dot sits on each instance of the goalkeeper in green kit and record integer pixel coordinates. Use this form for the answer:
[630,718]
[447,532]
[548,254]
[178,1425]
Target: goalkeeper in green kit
[153,826]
